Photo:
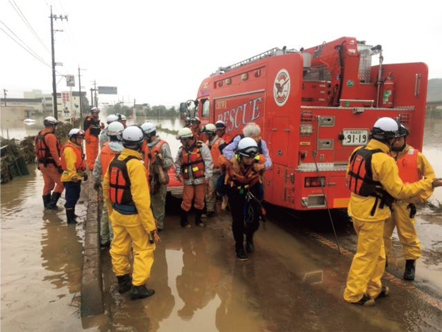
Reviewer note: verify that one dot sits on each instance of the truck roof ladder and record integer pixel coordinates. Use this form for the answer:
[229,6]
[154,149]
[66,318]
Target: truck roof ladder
[271,52]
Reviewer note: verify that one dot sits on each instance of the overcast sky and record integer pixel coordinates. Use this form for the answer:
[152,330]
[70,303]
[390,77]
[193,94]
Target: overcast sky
[158,52]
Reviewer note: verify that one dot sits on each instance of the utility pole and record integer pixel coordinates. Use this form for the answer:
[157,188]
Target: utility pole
[54,83]
[4,92]
[79,88]
[92,98]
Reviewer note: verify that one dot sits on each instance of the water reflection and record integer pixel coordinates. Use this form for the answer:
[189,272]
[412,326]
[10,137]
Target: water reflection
[235,312]
[193,283]
[61,253]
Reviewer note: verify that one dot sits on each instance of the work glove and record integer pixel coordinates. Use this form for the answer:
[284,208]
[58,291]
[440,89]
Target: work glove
[60,170]
[97,186]
[85,177]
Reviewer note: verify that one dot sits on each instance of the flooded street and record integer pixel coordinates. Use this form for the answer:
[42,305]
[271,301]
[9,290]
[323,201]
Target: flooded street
[293,282]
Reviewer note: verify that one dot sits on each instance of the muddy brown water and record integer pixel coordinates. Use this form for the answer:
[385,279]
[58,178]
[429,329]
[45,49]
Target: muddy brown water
[291,283]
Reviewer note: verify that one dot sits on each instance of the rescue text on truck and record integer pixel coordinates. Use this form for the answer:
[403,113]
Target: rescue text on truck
[314,107]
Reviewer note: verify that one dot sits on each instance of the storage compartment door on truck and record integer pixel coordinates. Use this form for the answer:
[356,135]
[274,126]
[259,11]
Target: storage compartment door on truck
[238,109]
[281,126]
[407,98]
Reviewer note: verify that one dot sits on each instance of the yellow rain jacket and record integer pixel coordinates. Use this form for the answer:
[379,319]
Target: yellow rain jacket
[424,168]
[140,195]
[69,157]
[386,172]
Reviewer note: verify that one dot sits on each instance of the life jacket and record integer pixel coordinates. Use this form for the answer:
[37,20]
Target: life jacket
[154,151]
[214,150]
[119,186]
[93,125]
[407,164]
[44,155]
[360,179]
[193,160]
[246,179]
[226,138]
[106,156]
[222,146]
[79,164]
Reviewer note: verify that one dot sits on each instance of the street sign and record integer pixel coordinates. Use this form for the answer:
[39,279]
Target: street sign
[70,80]
[65,96]
[107,90]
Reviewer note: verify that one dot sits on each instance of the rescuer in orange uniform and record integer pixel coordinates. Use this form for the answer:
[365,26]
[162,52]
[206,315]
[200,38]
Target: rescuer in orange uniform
[245,192]
[158,159]
[92,129]
[111,148]
[213,142]
[374,182]
[221,131]
[193,166]
[127,198]
[198,132]
[413,166]
[73,165]
[47,149]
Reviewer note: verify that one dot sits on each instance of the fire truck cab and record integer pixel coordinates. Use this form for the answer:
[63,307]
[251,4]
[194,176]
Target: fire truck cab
[314,106]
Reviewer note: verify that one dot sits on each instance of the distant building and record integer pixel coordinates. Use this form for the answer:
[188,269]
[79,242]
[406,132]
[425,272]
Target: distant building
[35,103]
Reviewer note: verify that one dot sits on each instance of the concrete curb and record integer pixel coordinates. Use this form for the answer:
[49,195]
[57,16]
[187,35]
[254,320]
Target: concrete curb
[91,279]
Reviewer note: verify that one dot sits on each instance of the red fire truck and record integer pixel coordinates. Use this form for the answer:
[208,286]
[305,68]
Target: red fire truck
[314,106]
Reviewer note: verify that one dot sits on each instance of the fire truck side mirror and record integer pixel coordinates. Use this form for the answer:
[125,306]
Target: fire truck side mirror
[183,108]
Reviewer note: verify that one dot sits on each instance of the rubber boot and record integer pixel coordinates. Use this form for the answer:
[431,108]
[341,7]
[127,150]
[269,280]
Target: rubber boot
[70,216]
[124,283]
[249,243]
[183,219]
[46,200]
[198,220]
[53,203]
[410,269]
[140,292]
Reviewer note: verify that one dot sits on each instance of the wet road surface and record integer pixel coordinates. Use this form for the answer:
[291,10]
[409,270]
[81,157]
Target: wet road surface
[293,282]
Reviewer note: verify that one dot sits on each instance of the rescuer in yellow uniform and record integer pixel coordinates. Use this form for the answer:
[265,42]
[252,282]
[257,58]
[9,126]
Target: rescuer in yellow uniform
[413,166]
[374,182]
[127,198]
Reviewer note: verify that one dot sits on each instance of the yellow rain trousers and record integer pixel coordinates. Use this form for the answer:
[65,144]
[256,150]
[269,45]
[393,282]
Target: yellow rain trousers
[400,216]
[368,264]
[366,271]
[132,230]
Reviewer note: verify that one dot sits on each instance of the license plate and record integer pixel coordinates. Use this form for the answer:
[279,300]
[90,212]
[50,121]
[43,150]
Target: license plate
[355,137]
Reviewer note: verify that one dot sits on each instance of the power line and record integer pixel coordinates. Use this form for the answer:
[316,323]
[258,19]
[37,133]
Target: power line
[39,59]
[25,20]
[29,48]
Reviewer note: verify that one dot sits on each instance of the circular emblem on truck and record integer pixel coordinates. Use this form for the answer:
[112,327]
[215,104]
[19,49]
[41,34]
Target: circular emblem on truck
[281,87]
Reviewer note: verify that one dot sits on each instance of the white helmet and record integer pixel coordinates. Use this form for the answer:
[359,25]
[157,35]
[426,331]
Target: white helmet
[195,119]
[50,120]
[247,147]
[385,128]
[115,129]
[220,124]
[148,127]
[184,133]
[123,117]
[95,110]
[210,128]
[76,133]
[133,137]
[111,118]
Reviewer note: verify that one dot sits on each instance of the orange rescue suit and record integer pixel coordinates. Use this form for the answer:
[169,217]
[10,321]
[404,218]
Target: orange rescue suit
[106,156]
[192,158]
[91,132]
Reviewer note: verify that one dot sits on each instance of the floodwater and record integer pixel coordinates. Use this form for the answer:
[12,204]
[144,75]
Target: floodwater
[291,283]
